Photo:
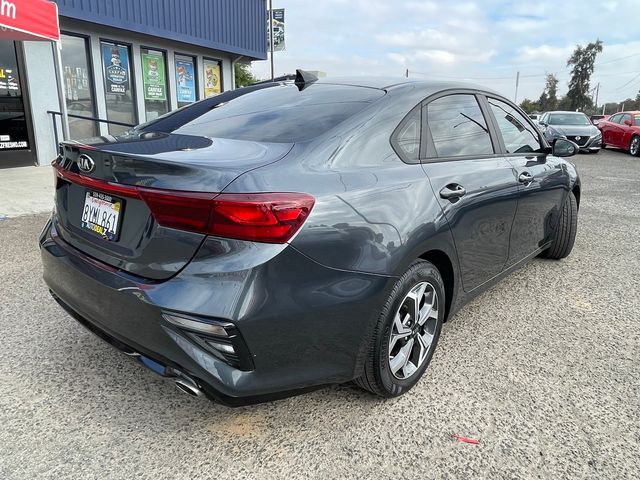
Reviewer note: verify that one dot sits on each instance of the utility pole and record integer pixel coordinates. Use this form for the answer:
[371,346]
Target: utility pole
[271,35]
[515,100]
[597,92]
[406,73]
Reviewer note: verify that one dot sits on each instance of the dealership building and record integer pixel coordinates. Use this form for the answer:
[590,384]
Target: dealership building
[124,62]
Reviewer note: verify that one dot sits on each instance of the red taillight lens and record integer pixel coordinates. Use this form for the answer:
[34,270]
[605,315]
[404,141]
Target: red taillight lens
[181,210]
[260,217]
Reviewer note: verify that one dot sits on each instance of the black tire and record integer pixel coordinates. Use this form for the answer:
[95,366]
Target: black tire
[377,376]
[567,229]
[634,146]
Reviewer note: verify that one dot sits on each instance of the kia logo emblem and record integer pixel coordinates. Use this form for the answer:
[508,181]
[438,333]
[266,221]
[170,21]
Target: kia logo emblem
[86,163]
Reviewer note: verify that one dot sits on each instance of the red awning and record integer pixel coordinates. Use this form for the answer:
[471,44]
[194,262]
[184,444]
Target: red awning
[29,20]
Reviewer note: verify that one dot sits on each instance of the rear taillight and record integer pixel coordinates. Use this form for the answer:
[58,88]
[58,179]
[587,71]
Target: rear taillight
[260,217]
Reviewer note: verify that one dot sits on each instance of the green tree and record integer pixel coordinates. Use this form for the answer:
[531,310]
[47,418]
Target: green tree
[243,74]
[582,62]
[529,106]
[549,98]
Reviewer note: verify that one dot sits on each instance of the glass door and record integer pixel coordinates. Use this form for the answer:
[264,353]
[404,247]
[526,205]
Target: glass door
[15,127]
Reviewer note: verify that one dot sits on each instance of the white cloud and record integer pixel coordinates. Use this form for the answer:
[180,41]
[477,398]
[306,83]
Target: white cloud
[486,41]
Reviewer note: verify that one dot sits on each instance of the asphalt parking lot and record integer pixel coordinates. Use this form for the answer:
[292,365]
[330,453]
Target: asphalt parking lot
[543,369]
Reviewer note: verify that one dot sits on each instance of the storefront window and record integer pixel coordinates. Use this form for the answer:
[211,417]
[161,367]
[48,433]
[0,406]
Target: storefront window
[78,85]
[154,83]
[118,85]
[186,85]
[212,78]
[13,125]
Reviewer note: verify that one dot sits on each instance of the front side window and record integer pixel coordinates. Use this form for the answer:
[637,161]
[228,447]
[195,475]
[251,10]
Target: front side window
[118,85]
[616,118]
[624,118]
[77,84]
[407,137]
[518,134]
[458,127]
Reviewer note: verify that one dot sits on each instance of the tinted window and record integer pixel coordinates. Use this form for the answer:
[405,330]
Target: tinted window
[457,127]
[625,117]
[518,134]
[615,118]
[283,114]
[568,119]
[408,136]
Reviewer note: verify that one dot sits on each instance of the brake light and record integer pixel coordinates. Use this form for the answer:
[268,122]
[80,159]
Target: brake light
[260,217]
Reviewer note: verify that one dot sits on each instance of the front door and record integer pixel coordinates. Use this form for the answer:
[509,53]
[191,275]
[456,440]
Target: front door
[541,177]
[16,137]
[476,188]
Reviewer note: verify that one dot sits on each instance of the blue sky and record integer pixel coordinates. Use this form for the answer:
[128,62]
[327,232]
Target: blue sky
[484,41]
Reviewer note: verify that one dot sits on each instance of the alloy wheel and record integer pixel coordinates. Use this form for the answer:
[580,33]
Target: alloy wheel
[635,146]
[413,330]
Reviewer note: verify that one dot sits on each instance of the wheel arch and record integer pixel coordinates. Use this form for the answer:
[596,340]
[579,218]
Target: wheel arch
[576,193]
[445,266]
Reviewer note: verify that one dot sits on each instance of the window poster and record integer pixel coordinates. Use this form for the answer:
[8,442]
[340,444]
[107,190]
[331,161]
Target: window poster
[185,80]
[212,82]
[116,68]
[153,77]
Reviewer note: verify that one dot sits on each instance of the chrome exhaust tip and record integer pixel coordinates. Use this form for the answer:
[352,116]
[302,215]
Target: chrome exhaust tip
[188,386]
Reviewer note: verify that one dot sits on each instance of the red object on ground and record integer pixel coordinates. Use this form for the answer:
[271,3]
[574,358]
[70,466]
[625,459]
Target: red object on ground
[466,440]
[29,20]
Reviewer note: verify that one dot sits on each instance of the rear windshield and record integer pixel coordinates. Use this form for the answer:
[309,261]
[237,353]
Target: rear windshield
[568,119]
[283,114]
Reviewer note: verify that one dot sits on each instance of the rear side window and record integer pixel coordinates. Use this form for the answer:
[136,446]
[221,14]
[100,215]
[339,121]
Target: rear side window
[458,127]
[407,137]
[518,134]
[636,120]
[625,117]
[283,114]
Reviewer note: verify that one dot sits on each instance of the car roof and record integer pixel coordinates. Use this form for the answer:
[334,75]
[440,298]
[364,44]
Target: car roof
[567,111]
[387,83]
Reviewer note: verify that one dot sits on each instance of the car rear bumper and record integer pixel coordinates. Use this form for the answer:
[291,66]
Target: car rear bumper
[304,325]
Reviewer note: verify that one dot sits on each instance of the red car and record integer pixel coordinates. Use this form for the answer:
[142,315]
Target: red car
[622,130]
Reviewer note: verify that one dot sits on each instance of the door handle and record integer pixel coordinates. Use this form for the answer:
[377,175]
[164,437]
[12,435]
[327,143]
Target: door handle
[453,191]
[525,177]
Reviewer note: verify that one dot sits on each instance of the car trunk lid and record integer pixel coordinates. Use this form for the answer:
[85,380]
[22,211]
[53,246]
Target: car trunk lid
[115,180]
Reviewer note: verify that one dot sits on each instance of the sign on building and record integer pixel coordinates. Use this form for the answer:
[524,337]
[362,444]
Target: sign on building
[278,30]
[153,77]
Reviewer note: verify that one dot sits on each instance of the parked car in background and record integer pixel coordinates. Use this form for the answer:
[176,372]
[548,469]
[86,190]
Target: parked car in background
[595,119]
[622,130]
[574,126]
[535,117]
[303,233]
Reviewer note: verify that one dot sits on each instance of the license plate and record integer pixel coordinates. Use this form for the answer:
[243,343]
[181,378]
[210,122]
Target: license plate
[101,214]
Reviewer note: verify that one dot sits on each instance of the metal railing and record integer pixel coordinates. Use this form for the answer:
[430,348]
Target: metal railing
[54,116]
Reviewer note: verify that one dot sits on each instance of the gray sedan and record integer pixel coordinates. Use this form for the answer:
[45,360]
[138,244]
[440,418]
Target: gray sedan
[574,126]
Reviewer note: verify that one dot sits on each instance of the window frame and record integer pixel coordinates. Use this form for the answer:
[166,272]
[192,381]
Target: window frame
[132,76]
[503,149]
[167,82]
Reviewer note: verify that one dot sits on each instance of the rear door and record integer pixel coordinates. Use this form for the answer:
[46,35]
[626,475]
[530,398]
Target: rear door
[611,131]
[626,131]
[476,188]
[541,177]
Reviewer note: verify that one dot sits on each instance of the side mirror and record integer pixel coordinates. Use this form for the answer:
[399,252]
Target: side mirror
[627,122]
[564,148]
[542,124]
